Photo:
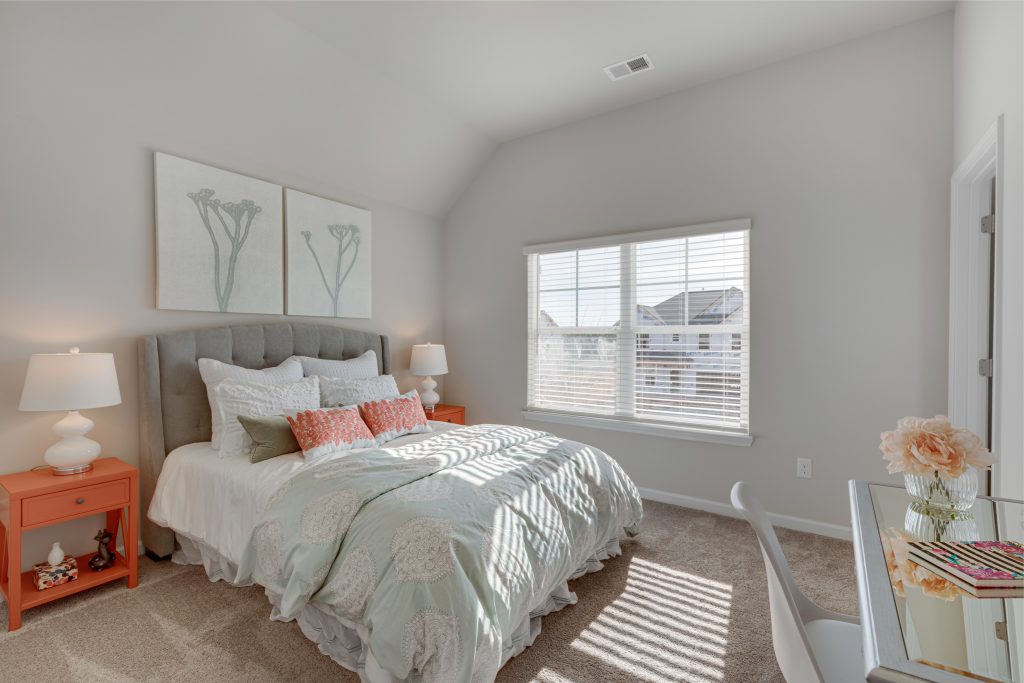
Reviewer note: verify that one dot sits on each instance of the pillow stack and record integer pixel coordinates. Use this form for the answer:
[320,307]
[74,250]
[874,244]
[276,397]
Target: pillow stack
[319,432]
[310,404]
[363,367]
[214,372]
[349,392]
[390,419]
[236,399]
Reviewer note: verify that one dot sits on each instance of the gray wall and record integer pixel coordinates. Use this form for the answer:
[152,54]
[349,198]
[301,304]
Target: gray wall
[90,91]
[842,159]
[989,82]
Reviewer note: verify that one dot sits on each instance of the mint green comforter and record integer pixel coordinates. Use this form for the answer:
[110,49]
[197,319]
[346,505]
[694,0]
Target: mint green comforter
[439,549]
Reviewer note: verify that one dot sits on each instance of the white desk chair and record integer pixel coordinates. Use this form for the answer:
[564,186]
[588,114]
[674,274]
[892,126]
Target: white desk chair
[812,644]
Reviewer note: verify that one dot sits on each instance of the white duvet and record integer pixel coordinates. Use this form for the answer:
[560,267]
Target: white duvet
[216,500]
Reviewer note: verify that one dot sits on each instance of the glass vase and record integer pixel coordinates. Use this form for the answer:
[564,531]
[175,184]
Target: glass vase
[932,491]
[933,524]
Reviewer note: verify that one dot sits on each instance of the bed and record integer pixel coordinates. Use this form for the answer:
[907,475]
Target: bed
[431,558]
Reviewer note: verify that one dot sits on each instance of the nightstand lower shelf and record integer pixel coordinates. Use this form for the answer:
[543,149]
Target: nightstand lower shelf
[87,578]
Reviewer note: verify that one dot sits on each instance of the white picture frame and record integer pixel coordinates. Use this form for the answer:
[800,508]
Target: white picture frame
[329,257]
[219,239]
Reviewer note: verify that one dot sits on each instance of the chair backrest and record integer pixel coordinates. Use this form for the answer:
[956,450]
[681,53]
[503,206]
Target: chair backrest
[786,602]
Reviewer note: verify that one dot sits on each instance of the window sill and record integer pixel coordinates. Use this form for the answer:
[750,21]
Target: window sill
[686,433]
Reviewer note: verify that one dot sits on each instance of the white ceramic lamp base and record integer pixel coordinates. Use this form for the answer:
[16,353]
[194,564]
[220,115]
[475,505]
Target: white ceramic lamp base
[428,396]
[74,453]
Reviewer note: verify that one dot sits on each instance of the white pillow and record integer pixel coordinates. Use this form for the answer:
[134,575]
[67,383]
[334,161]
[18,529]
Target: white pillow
[231,399]
[363,367]
[214,371]
[348,392]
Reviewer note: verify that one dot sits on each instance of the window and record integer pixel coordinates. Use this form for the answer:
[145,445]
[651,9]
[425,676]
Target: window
[644,329]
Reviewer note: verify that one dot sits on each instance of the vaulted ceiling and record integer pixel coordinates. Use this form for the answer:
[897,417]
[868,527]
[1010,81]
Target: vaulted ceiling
[397,101]
[513,68]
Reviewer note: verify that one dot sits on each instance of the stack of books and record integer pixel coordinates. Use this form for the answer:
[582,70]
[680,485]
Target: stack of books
[985,569]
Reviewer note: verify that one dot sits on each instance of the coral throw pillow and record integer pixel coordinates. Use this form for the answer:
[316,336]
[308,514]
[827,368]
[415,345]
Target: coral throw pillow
[392,418]
[320,432]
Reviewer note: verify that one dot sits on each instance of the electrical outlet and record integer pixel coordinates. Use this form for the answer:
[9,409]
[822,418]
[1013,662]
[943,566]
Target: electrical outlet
[803,468]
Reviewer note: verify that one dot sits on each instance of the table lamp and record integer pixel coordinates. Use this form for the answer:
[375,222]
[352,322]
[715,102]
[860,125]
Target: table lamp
[428,360]
[71,381]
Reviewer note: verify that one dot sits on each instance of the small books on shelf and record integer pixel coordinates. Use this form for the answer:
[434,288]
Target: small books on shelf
[993,569]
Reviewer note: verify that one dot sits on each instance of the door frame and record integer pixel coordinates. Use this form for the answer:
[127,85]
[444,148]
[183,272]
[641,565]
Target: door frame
[969,187]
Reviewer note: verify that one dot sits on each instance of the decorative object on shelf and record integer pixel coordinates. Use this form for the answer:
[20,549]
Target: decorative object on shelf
[428,360]
[71,381]
[56,555]
[218,239]
[54,573]
[328,257]
[103,558]
[939,462]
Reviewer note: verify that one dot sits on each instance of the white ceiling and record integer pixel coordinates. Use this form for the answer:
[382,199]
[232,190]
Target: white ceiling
[513,68]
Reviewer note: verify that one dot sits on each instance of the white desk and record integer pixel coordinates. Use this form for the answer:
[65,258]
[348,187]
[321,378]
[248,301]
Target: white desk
[933,632]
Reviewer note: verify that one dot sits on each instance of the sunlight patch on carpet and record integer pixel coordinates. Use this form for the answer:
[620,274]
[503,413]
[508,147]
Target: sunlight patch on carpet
[546,675]
[666,626]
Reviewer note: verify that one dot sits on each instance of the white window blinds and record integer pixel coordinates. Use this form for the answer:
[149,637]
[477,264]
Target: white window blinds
[649,327]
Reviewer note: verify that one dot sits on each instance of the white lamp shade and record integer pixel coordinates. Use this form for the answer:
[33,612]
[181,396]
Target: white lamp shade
[428,359]
[70,381]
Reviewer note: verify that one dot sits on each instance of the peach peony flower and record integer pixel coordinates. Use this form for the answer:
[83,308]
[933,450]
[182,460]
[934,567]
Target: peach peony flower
[893,565]
[935,586]
[922,446]
[904,572]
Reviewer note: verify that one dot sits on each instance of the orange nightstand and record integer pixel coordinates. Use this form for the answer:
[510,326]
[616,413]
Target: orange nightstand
[446,413]
[30,500]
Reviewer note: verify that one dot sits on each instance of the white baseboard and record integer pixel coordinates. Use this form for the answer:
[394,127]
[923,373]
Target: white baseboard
[797,523]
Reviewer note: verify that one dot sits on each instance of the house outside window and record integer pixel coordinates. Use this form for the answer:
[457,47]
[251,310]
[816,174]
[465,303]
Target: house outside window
[642,329]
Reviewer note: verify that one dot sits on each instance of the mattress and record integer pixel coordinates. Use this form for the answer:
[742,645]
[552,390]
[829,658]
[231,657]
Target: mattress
[216,501]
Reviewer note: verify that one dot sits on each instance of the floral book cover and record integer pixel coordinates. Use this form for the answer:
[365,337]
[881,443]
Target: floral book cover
[982,564]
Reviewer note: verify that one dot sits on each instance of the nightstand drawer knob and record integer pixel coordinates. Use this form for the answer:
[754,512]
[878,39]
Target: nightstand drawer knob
[79,500]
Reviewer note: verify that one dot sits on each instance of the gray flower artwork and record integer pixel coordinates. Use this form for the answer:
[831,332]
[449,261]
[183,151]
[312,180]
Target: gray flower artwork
[328,257]
[347,237]
[219,245]
[239,212]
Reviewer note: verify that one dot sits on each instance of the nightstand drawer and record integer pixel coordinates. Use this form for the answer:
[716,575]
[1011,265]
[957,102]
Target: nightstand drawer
[52,506]
[452,414]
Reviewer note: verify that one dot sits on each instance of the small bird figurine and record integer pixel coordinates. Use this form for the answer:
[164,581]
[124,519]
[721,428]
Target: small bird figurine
[103,558]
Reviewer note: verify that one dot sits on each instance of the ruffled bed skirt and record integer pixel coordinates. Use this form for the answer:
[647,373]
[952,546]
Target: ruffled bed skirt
[345,642]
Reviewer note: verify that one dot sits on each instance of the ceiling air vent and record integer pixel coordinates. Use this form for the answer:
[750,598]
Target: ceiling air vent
[629,67]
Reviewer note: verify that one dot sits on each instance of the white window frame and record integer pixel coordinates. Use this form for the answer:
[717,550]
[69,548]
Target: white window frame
[623,420]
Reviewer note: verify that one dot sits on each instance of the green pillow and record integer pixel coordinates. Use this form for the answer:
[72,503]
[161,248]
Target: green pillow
[271,435]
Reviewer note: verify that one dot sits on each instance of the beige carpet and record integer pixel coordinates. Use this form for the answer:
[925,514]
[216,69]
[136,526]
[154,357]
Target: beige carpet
[687,601]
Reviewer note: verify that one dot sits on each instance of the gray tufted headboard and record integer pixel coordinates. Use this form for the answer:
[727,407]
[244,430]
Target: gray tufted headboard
[174,409]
